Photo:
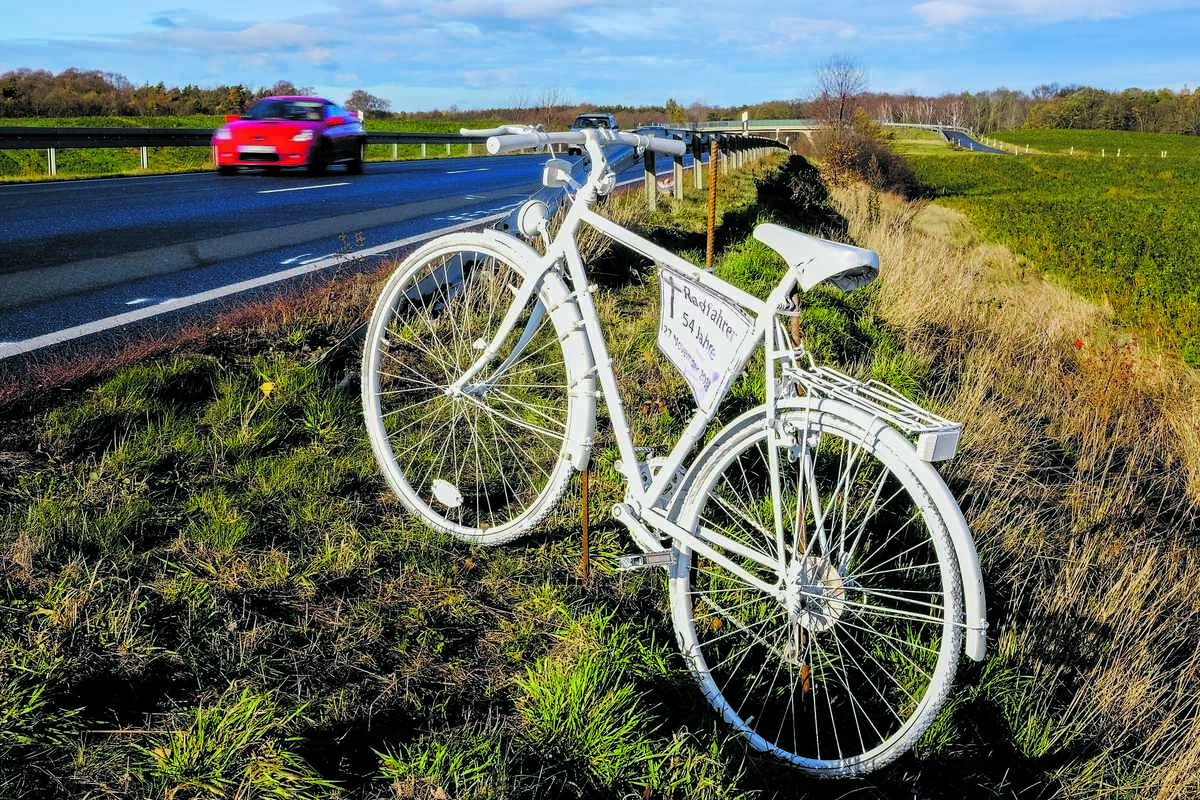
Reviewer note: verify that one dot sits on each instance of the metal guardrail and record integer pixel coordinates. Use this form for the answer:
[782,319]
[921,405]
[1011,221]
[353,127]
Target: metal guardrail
[52,139]
[35,138]
[759,125]
[938,128]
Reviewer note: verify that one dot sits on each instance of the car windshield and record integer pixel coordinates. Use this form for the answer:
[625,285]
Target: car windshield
[285,109]
[591,122]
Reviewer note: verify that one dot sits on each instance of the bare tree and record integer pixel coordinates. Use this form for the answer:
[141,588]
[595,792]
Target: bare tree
[550,107]
[840,80]
[360,100]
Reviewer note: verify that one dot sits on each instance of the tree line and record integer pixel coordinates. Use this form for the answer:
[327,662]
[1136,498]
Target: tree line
[1048,106]
[92,93]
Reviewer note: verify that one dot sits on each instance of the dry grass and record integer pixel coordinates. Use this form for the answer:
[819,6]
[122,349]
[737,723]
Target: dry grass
[1080,475]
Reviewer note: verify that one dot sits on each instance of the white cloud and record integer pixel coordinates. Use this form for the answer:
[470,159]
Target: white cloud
[634,24]
[944,12]
[319,55]
[953,12]
[489,78]
[274,35]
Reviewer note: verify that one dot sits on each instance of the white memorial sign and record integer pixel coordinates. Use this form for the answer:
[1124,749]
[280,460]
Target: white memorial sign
[700,331]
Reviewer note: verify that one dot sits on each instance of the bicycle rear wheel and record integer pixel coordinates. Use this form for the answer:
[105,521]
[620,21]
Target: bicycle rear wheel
[843,665]
[486,461]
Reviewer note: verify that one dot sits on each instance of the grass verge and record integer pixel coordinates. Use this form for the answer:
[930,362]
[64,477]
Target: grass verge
[208,591]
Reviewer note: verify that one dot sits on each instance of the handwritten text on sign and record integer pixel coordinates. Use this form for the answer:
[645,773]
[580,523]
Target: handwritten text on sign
[700,332]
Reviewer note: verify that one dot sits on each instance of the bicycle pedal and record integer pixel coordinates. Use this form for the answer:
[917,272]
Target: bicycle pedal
[657,558]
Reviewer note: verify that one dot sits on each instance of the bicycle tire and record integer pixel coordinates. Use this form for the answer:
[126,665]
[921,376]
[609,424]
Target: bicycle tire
[845,665]
[487,464]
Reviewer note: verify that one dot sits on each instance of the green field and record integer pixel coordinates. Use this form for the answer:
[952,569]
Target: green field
[92,162]
[1106,144]
[915,141]
[1123,229]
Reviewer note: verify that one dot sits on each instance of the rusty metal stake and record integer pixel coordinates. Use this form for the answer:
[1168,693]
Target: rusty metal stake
[712,202]
[586,566]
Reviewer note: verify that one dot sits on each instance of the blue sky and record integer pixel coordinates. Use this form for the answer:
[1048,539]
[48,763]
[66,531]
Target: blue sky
[424,54]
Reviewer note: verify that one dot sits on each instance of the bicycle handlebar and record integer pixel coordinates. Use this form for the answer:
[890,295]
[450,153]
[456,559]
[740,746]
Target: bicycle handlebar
[500,131]
[669,147]
[507,138]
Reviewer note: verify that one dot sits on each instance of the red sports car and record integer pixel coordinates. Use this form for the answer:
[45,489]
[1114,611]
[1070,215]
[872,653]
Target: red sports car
[276,132]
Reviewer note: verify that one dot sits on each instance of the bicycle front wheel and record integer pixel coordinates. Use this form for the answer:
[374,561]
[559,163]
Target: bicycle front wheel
[825,622]
[484,461]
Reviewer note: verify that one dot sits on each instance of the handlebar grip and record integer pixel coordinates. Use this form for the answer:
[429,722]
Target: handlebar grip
[506,143]
[500,131]
[670,147]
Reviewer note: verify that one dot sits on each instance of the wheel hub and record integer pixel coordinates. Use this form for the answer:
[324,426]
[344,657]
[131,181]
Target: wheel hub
[814,593]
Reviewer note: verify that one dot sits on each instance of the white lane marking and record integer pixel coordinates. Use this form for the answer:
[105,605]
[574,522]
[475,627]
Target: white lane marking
[294,259]
[125,180]
[303,188]
[461,171]
[138,301]
[8,349]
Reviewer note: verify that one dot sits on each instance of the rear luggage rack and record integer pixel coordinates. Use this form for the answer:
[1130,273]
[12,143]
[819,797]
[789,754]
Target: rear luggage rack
[935,438]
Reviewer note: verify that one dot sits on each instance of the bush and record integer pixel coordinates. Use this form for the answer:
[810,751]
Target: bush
[796,196]
[1191,352]
[850,156]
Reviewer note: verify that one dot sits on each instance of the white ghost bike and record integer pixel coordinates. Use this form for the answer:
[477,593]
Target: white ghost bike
[823,581]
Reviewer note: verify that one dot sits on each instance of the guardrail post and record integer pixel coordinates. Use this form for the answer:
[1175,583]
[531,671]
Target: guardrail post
[447,149]
[51,167]
[424,150]
[145,158]
[677,174]
[651,179]
[395,151]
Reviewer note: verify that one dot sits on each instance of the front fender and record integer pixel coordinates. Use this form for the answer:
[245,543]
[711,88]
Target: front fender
[581,364]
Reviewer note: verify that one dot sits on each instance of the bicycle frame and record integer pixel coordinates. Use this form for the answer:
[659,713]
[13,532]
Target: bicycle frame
[647,489]
[645,493]
[810,534]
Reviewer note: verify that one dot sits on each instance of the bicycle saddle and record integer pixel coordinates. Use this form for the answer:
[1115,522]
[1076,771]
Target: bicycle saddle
[845,266]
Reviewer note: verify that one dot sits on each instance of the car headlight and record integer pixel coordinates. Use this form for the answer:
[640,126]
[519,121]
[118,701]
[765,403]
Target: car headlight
[305,135]
[223,134]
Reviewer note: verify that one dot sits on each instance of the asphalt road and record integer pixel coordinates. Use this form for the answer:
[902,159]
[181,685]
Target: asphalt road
[80,257]
[967,143]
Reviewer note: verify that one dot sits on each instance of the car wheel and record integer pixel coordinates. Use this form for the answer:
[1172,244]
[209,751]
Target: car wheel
[355,165]
[318,159]
[227,169]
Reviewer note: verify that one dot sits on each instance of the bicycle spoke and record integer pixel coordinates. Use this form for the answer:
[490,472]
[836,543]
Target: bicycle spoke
[482,464]
[857,629]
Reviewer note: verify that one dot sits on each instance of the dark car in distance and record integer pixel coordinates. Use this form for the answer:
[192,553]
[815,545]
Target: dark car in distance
[275,132]
[592,120]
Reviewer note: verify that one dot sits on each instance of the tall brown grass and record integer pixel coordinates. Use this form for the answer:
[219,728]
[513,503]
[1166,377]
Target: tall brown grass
[1080,477]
